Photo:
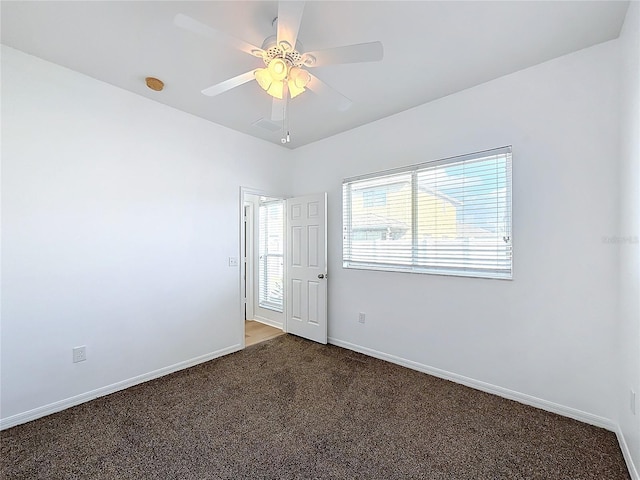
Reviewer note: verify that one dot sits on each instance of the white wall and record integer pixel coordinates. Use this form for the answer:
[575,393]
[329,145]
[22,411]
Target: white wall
[628,344]
[549,332]
[118,218]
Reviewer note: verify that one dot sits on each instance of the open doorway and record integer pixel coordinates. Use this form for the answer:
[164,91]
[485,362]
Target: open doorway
[263,267]
[284,268]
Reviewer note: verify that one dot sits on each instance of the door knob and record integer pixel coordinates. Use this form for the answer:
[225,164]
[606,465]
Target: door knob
[321,276]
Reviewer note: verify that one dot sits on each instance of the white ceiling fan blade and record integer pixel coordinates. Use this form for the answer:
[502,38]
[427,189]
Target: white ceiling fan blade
[289,18]
[318,87]
[188,23]
[277,110]
[229,84]
[361,52]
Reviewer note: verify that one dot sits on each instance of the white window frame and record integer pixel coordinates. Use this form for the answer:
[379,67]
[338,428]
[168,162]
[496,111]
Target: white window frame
[264,255]
[424,259]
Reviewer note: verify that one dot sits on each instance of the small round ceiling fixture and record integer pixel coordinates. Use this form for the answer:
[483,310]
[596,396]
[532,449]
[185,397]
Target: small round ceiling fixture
[154,83]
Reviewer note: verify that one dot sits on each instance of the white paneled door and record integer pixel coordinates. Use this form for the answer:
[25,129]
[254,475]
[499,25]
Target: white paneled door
[306,272]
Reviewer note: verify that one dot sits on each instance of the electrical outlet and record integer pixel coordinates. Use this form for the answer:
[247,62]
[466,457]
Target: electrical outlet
[79,354]
[233,261]
[361,317]
[632,401]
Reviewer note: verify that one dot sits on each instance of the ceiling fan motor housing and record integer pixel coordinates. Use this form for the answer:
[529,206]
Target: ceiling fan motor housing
[272,50]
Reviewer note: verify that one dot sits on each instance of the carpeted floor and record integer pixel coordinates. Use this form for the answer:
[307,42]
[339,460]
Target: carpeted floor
[293,409]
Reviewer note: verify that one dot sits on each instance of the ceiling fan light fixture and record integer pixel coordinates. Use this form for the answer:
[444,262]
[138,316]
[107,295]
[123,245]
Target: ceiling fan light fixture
[299,77]
[263,77]
[294,90]
[276,89]
[278,69]
[298,80]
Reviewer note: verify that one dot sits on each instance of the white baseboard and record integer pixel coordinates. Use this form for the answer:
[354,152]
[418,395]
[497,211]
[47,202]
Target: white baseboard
[633,471]
[39,412]
[485,387]
[267,321]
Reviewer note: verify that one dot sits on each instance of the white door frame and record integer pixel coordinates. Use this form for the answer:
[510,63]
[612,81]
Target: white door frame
[242,286]
[248,254]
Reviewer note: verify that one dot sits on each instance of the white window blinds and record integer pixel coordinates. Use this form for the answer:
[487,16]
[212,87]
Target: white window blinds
[450,216]
[271,254]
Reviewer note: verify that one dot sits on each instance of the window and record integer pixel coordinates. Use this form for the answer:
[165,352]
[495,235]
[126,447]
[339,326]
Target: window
[271,254]
[450,216]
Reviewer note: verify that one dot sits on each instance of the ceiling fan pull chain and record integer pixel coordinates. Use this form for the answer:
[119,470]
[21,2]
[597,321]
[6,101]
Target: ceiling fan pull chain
[286,116]
[285,120]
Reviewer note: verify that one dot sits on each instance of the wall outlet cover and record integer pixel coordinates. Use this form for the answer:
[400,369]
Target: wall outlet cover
[79,354]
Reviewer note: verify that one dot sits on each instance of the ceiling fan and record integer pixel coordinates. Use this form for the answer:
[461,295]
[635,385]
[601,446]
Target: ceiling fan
[285,73]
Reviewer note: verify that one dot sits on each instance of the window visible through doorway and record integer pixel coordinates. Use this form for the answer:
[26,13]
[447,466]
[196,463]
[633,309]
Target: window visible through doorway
[271,254]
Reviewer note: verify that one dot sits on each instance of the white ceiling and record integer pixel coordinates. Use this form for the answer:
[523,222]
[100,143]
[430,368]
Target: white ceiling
[431,49]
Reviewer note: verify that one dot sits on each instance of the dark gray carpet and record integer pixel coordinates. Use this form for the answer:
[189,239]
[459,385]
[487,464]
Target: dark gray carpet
[288,409]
